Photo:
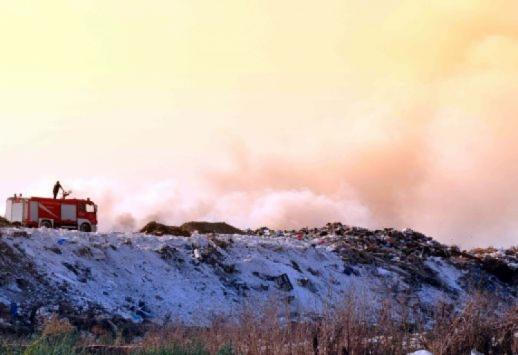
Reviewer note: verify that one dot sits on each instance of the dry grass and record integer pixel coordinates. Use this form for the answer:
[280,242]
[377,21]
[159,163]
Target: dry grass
[56,326]
[355,328]
[477,326]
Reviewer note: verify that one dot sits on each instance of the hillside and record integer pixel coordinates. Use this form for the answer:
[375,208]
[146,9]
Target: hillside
[136,278]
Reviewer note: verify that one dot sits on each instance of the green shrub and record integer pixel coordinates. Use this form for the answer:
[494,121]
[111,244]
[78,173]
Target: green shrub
[63,344]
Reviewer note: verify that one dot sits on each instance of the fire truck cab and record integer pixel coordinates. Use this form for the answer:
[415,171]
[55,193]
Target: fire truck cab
[35,212]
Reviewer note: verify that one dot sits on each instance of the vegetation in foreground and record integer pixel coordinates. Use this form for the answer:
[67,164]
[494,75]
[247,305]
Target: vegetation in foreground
[350,330]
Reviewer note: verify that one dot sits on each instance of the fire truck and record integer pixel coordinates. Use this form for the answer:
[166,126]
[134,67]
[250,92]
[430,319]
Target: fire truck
[35,212]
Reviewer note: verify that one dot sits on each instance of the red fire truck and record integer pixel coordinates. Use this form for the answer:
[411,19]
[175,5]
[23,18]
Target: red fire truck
[37,212]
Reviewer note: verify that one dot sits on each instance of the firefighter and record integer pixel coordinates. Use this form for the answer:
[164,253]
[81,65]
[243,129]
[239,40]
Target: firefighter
[56,189]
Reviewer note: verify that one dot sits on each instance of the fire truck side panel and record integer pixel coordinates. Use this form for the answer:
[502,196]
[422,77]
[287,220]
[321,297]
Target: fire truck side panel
[33,211]
[17,212]
[14,210]
[25,211]
[8,209]
[49,210]
[68,214]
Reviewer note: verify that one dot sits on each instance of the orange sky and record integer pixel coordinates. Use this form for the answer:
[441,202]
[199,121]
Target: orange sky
[292,113]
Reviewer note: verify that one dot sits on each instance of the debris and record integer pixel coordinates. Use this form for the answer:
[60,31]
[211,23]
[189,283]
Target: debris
[350,271]
[305,282]
[84,251]
[283,283]
[55,250]
[20,234]
[313,271]
[122,277]
[158,229]
[210,227]
[83,273]
[220,243]
[186,229]
[501,270]
[295,265]
[167,252]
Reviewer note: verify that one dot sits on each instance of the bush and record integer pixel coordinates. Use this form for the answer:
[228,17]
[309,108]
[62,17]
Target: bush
[58,337]
[64,344]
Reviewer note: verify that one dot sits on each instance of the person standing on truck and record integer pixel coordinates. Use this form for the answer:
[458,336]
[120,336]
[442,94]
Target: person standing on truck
[56,189]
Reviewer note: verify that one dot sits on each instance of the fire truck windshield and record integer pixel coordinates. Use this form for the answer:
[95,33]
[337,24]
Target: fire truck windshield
[90,208]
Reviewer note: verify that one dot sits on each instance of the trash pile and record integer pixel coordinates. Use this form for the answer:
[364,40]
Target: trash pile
[501,263]
[407,252]
[159,229]
[211,227]
[189,228]
[162,276]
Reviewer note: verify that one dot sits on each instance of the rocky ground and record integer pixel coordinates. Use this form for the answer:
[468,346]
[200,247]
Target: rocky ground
[125,279]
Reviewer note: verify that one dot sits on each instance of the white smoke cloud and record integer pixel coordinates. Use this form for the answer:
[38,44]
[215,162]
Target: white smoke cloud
[413,124]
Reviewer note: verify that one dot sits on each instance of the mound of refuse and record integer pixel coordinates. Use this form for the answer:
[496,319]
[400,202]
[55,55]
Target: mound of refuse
[159,229]
[407,251]
[211,227]
[98,278]
[189,228]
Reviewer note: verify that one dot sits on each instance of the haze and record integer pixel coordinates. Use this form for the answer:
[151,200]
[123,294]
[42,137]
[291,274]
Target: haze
[278,113]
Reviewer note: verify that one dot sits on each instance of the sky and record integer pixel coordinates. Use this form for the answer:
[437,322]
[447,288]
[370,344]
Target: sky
[279,113]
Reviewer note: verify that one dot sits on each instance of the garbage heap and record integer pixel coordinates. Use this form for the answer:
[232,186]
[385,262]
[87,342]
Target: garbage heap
[406,252]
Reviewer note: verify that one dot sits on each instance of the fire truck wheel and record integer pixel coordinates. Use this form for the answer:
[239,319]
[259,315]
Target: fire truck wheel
[46,224]
[85,227]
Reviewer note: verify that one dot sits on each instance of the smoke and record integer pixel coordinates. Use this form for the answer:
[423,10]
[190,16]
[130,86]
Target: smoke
[125,222]
[406,118]
[452,179]
[439,158]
